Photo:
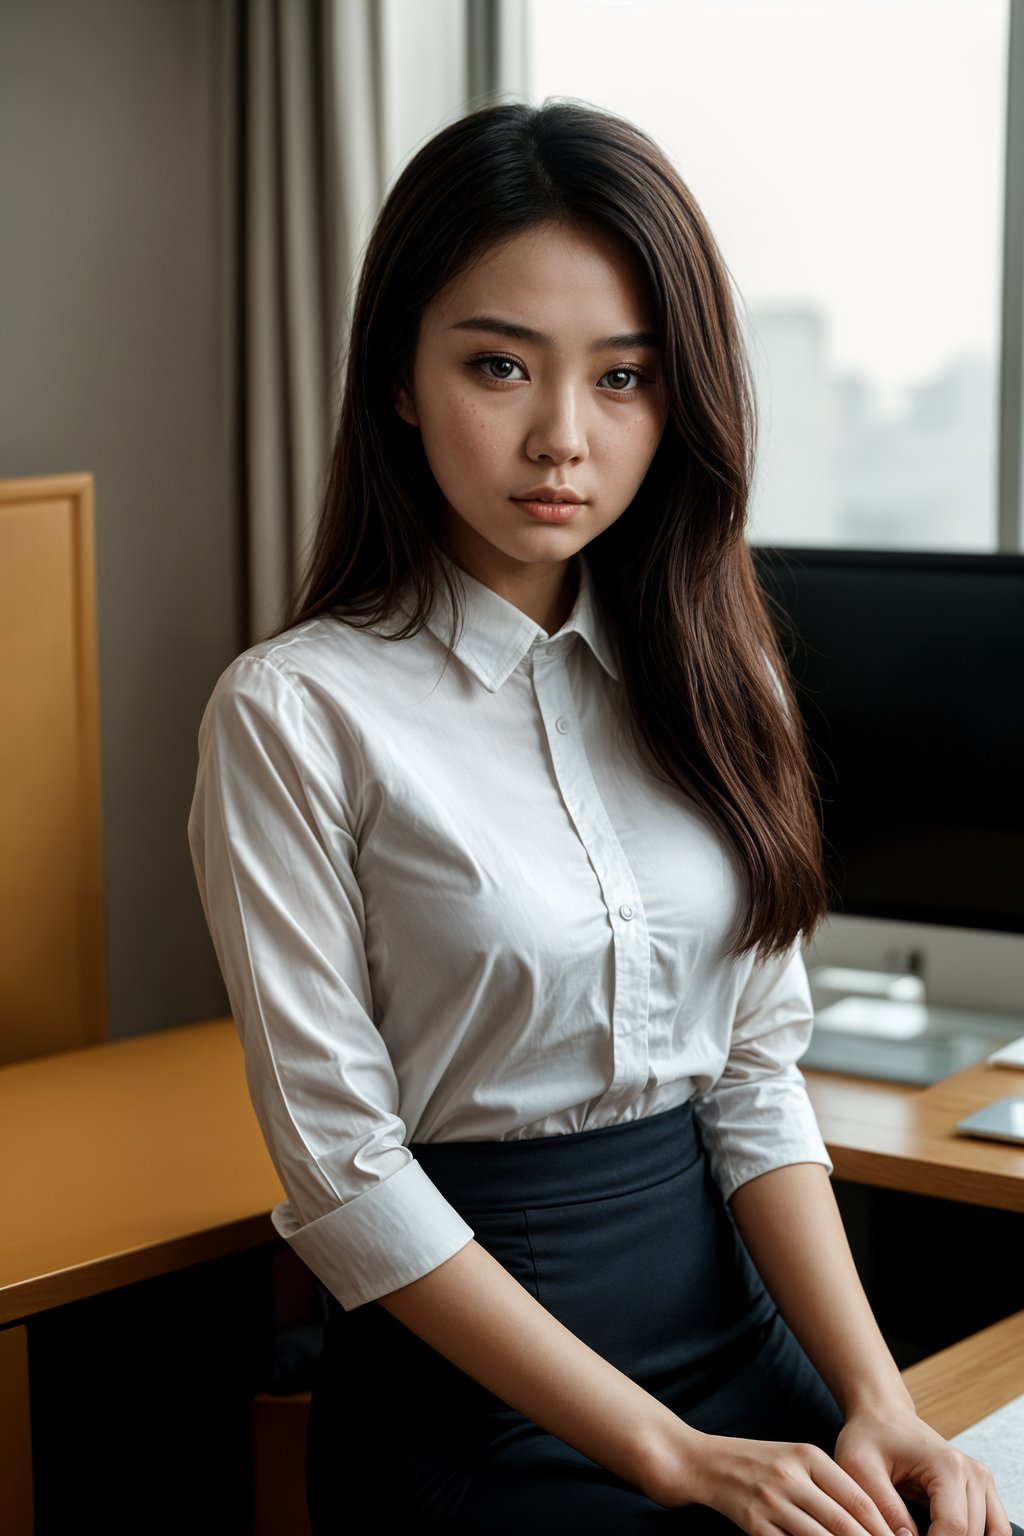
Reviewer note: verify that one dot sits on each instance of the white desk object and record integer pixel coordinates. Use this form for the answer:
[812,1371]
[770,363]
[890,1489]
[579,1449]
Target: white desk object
[878,1024]
[998,1441]
[1011,1055]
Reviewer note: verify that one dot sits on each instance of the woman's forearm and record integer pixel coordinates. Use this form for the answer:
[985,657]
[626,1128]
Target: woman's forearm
[476,1314]
[792,1228]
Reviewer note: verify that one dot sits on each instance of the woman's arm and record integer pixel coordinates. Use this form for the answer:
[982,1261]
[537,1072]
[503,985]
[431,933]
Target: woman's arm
[477,1315]
[792,1228]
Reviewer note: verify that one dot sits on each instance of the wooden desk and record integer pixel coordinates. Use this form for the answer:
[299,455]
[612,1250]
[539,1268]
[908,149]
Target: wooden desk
[132,1161]
[894,1136]
[124,1161]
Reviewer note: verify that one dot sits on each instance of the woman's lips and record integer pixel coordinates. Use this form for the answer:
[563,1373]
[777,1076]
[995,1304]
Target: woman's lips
[550,511]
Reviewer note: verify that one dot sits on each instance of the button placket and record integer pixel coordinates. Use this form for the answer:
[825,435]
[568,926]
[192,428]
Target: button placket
[630,936]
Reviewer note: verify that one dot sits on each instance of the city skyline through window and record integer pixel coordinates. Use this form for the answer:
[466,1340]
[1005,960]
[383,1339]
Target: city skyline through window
[849,157]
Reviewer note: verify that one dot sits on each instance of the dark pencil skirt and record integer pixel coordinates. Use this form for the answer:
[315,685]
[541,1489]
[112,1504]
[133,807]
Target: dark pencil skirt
[623,1235]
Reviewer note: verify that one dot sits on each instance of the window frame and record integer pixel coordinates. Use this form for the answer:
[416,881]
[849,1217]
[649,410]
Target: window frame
[1010,509]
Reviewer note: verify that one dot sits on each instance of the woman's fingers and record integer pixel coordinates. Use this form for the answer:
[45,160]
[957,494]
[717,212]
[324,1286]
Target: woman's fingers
[826,1516]
[977,1506]
[963,1501]
[839,1487]
[997,1521]
[881,1451]
[868,1469]
[776,1489]
[770,1487]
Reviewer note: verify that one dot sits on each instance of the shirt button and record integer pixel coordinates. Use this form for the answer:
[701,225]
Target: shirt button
[562,726]
[626,911]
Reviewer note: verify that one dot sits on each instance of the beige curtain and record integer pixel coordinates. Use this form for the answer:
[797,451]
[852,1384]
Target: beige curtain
[312,173]
[324,84]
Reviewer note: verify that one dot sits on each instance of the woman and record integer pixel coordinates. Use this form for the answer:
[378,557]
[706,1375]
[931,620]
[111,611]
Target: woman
[507,844]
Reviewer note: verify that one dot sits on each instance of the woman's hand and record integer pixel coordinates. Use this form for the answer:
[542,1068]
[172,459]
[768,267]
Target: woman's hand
[791,1225]
[894,1449]
[775,1488]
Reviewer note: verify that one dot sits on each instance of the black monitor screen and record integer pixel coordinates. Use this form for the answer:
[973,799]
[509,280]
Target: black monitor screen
[910,674]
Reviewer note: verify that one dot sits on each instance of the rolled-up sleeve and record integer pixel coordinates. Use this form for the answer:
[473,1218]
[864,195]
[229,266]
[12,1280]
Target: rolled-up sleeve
[272,842]
[757,1115]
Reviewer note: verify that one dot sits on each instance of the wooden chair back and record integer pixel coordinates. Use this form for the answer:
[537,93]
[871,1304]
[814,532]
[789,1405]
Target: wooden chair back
[52,959]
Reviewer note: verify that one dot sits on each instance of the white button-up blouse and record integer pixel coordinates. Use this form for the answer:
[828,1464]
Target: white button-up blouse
[449,904]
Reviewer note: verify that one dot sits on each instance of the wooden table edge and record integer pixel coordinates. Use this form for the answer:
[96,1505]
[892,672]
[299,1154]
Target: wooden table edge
[958,1386]
[23,1300]
[926,1176]
[868,1144]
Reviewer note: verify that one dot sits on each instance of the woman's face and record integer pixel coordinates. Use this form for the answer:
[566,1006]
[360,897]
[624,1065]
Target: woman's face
[535,385]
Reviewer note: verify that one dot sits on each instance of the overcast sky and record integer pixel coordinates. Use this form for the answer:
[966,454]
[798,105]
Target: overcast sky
[847,153]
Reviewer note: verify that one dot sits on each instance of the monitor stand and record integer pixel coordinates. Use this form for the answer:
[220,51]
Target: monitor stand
[885,1029]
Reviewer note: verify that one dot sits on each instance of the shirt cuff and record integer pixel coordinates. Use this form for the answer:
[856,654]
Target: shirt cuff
[393,1234]
[786,1130]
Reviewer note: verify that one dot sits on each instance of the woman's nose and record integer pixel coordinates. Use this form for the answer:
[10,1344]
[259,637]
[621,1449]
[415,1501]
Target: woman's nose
[557,433]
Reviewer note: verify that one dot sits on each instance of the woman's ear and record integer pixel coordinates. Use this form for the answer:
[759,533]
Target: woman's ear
[405,405]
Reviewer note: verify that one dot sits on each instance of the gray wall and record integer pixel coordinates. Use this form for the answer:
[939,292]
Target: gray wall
[117,355]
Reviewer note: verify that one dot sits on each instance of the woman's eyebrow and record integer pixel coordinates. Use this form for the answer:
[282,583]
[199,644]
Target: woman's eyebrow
[516,332]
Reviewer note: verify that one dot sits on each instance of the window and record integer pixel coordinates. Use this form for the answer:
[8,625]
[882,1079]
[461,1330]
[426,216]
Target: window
[849,156]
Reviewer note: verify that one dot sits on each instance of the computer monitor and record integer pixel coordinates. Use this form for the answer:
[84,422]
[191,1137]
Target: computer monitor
[910,674]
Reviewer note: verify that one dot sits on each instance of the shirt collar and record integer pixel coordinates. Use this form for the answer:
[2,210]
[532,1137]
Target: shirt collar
[497,635]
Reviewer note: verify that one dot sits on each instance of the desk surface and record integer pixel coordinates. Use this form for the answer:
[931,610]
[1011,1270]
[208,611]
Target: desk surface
[895,1136]
[138,1157]
[127,1160]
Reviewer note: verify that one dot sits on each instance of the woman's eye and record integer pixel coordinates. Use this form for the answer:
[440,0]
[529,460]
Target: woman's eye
[620,380]
[499,368]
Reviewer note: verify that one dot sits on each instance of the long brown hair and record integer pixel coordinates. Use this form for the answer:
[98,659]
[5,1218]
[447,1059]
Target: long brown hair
[709,698]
